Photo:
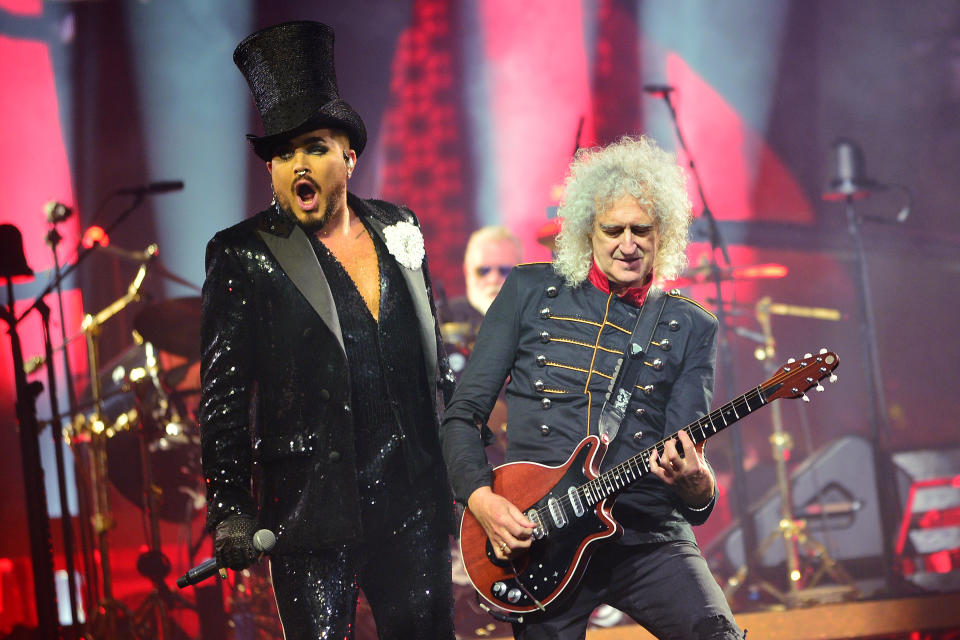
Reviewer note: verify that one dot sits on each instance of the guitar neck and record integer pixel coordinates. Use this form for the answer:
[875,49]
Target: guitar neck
[632,469]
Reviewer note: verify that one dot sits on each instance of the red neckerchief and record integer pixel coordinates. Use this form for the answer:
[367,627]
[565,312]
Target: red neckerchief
[633,295]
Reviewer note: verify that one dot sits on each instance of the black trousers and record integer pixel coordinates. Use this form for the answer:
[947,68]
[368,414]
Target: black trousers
[402,564]
[667,588]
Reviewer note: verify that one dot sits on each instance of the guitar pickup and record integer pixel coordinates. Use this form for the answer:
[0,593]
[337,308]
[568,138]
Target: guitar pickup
[557,513]
[538,531]
[573,493]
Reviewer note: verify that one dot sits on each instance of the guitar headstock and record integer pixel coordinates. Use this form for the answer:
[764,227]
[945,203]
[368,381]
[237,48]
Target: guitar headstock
[796,377]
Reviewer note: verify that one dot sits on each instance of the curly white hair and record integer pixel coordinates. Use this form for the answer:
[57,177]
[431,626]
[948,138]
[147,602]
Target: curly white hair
[601,176]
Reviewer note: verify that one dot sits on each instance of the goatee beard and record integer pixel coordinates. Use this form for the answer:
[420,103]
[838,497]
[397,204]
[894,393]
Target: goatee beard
[314,223]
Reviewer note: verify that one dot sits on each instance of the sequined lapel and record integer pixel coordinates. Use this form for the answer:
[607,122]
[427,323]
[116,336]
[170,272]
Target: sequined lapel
[295,254]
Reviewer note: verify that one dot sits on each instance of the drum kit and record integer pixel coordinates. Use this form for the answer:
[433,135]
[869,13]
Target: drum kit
[138,439]
[134,432]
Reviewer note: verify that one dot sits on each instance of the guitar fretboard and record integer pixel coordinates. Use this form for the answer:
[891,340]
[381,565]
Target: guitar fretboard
[632,469]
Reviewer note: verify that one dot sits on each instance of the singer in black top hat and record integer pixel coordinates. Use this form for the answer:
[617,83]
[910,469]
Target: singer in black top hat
[322,367]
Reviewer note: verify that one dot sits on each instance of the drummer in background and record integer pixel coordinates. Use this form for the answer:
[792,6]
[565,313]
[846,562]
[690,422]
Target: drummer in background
[490,255]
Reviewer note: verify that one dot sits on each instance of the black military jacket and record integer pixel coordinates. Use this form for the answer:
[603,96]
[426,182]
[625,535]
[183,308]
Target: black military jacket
[273,356]
[559,346]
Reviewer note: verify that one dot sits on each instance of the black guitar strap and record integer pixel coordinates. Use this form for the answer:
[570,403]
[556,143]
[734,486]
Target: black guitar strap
[628,365]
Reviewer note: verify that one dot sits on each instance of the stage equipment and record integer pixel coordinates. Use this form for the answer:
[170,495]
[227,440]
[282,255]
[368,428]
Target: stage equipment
[849,185]
[57,212]
[806,559]
[158,430]
[90,435]
[717,245]
[162,186]
[547,233]
[704,274]
[172,326]
[833,516]
[927,547]
[13,265]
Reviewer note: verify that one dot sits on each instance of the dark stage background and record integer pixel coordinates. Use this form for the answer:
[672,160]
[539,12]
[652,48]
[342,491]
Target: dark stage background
[474,109]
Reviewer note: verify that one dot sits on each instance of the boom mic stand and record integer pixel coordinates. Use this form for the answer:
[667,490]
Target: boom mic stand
[726,360]
[55,214]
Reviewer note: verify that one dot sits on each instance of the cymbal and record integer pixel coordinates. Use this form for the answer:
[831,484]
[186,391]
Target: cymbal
[172,325]
[548,231]
[703,274]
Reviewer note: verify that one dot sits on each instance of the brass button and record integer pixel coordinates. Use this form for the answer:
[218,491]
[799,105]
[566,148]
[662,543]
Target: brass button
[538,385]
[551,291]
[541,360]
[657,364]
[546,403]
[544,337]
[665,344]
[674,325]
[545,313]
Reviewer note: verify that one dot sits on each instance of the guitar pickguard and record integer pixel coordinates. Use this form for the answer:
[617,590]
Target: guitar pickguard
[568,528]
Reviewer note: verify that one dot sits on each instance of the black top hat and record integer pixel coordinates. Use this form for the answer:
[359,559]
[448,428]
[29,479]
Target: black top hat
[289,68]
[13,264]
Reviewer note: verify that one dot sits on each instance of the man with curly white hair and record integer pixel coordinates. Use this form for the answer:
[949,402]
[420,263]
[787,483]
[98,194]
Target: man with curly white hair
[593,347]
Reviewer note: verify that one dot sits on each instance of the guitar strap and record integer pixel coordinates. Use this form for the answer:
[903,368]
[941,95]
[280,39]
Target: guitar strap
[628,365]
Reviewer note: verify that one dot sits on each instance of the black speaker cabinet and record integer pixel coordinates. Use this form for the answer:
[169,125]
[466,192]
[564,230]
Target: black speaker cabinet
[835,492]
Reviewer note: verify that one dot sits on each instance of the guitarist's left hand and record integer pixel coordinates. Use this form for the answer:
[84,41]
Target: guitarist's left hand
[688,474]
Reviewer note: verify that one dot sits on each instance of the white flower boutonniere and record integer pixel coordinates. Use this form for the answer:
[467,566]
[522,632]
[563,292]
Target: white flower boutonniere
[405,243]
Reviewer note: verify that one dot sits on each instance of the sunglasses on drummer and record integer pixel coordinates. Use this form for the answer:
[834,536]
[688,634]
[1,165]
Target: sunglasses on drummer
[483,270]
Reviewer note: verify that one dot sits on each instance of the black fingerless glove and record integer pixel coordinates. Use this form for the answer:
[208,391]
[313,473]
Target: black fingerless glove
[233,543]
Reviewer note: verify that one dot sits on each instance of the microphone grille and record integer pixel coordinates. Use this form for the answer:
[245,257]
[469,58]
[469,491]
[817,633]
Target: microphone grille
[264,540]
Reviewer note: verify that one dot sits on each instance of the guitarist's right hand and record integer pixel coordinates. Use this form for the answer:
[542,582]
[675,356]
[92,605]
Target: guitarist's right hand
[506,527]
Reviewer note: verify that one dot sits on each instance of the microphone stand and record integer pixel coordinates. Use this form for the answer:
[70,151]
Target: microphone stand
[82,253]
[53,240]
[38,520]
[880,429]
[749,535]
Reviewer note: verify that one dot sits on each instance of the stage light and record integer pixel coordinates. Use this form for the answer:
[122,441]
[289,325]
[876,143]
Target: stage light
[95,235]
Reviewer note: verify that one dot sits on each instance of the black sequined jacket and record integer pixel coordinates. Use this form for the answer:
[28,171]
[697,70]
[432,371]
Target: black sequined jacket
[559,346]
[273,358]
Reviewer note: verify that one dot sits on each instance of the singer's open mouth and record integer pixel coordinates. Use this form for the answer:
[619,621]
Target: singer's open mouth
[306,192]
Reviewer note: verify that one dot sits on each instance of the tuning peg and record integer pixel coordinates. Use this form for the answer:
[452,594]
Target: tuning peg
[819,388]
[833,378]
[804,397]
[791,360]
[808,355]
[823,350]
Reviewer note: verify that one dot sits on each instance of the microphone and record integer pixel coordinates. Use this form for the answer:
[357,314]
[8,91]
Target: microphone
[658,90]
[146,255]
[57,211]
[850,181]
[263,541]
[163,186]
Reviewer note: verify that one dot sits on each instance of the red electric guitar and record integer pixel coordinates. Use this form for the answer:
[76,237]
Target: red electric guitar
[571,503]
